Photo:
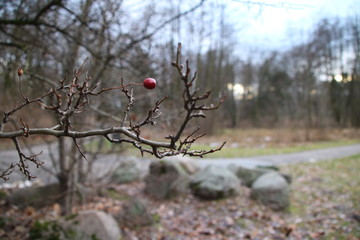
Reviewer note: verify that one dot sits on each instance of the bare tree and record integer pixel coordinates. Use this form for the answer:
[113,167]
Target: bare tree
[51,39]
[70,99]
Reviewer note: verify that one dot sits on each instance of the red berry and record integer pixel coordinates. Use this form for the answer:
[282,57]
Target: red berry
[149,83]
[20,72]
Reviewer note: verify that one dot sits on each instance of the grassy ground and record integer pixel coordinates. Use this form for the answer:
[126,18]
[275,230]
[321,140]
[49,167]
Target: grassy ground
[255,141]
[327,192]
[234,152]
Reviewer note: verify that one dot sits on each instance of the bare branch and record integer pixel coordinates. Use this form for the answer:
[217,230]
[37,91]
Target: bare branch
[189,96]
[7,172]
[130,97]
[162,25]
[36,19]
[66,100]
[83,134]
[22,165]
[152,114]
[79,149]
[202,153]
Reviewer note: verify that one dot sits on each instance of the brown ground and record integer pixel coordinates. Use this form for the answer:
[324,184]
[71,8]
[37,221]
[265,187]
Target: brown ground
[190,218]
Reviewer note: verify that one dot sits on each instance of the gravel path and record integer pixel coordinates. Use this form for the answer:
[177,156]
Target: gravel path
[288,158]
[107,162]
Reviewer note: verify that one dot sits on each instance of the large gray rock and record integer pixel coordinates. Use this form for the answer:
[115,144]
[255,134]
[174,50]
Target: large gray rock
[187,163]
[269,168]
[189,166]
[166,179]
[249,175]
[36,196]
[214,182]
[40,196]
[92,224]
[134,214]
[126,172]
[271,189]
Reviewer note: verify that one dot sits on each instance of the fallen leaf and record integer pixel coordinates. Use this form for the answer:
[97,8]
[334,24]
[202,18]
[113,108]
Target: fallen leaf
[29,211]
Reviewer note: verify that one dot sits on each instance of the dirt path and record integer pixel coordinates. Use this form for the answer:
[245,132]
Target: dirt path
[107,162]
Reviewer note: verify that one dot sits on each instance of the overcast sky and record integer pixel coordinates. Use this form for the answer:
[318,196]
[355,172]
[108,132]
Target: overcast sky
[279,22]
[260,24]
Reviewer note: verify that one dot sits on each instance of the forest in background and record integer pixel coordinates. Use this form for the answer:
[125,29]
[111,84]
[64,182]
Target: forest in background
[313,84]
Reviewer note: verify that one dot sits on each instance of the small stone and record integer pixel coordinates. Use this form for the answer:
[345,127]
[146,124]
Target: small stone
[93,224]
[135,213]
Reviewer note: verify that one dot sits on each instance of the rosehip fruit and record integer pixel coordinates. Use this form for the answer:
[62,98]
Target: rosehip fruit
[149,83]
[20,72]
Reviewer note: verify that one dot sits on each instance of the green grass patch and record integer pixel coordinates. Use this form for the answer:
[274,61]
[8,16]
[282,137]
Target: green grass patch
[229,152]
[327,190]
[112,193]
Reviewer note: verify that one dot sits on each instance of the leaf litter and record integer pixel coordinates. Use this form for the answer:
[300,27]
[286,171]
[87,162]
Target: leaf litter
[318,211]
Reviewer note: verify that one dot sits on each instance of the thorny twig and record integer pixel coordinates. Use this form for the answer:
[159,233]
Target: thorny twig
[130,97]
[190,97]
[69,99]
[153,113]
[22,164]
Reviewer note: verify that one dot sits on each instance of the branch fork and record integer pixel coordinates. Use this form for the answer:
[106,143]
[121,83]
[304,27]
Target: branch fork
[69,100]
